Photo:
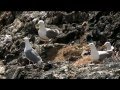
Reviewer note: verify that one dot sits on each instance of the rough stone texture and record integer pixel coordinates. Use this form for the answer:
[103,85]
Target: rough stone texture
[103,25]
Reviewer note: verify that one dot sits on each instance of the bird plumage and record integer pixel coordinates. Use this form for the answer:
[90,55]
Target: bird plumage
[30,53]
[97,55]
[46,34]
[108,46]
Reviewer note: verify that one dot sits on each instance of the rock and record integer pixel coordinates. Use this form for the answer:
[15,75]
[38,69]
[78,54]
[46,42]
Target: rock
[6,18]
[47,66]
[2,69]
[103,25]
[66,38]
[48,75]
[65,68]
[9,57]
[29,28]
[17,72]
[2,77]
[23,61]
[16,25]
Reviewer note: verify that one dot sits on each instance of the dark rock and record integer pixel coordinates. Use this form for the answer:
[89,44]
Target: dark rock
[2,51]
[9,57]
[69,37]
[23,61]
[17,75]
[89,38]
[47,66]
[29,28]
[104,26]
[6,18]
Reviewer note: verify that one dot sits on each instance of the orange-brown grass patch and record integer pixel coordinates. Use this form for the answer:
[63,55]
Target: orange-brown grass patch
[87,48]
[59,54]
[67,51]
[84,60]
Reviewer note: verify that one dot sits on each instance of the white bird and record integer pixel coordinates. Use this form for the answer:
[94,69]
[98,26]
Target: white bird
[30,53]
[97,55]
[110,50]
[108,45]
[46,34]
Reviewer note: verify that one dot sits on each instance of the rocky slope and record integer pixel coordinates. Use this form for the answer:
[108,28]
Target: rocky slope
[66,49]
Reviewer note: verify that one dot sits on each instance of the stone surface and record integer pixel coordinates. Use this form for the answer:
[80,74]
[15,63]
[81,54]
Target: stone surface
[58,58]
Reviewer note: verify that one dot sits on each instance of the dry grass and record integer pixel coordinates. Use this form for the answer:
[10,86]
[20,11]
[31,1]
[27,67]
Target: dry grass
[84,60]
[67,51]
[86,47]
[60,54]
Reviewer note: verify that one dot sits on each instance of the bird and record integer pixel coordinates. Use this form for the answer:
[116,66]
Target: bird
[110,50]
[30,53]
[94,55]
[108,46]
[97,55]
[46,34]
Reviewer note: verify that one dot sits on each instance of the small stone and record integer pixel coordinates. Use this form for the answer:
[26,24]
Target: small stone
[2,77]
[47,67]
[9,57]
[2,69]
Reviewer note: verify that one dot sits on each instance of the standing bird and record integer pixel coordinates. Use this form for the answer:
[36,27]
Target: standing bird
[46,34]
[30,53]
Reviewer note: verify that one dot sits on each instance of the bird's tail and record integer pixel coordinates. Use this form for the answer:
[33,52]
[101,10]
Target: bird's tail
[56,30]
[40,61]
[40,64]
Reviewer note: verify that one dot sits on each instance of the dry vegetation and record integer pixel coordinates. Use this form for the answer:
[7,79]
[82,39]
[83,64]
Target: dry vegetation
[84,60]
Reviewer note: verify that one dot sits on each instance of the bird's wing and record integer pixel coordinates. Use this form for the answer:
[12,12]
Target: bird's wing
[102,52]
[42,35]
[51,34]
[31,55]
[54,30]
[34,52]
[105,55]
